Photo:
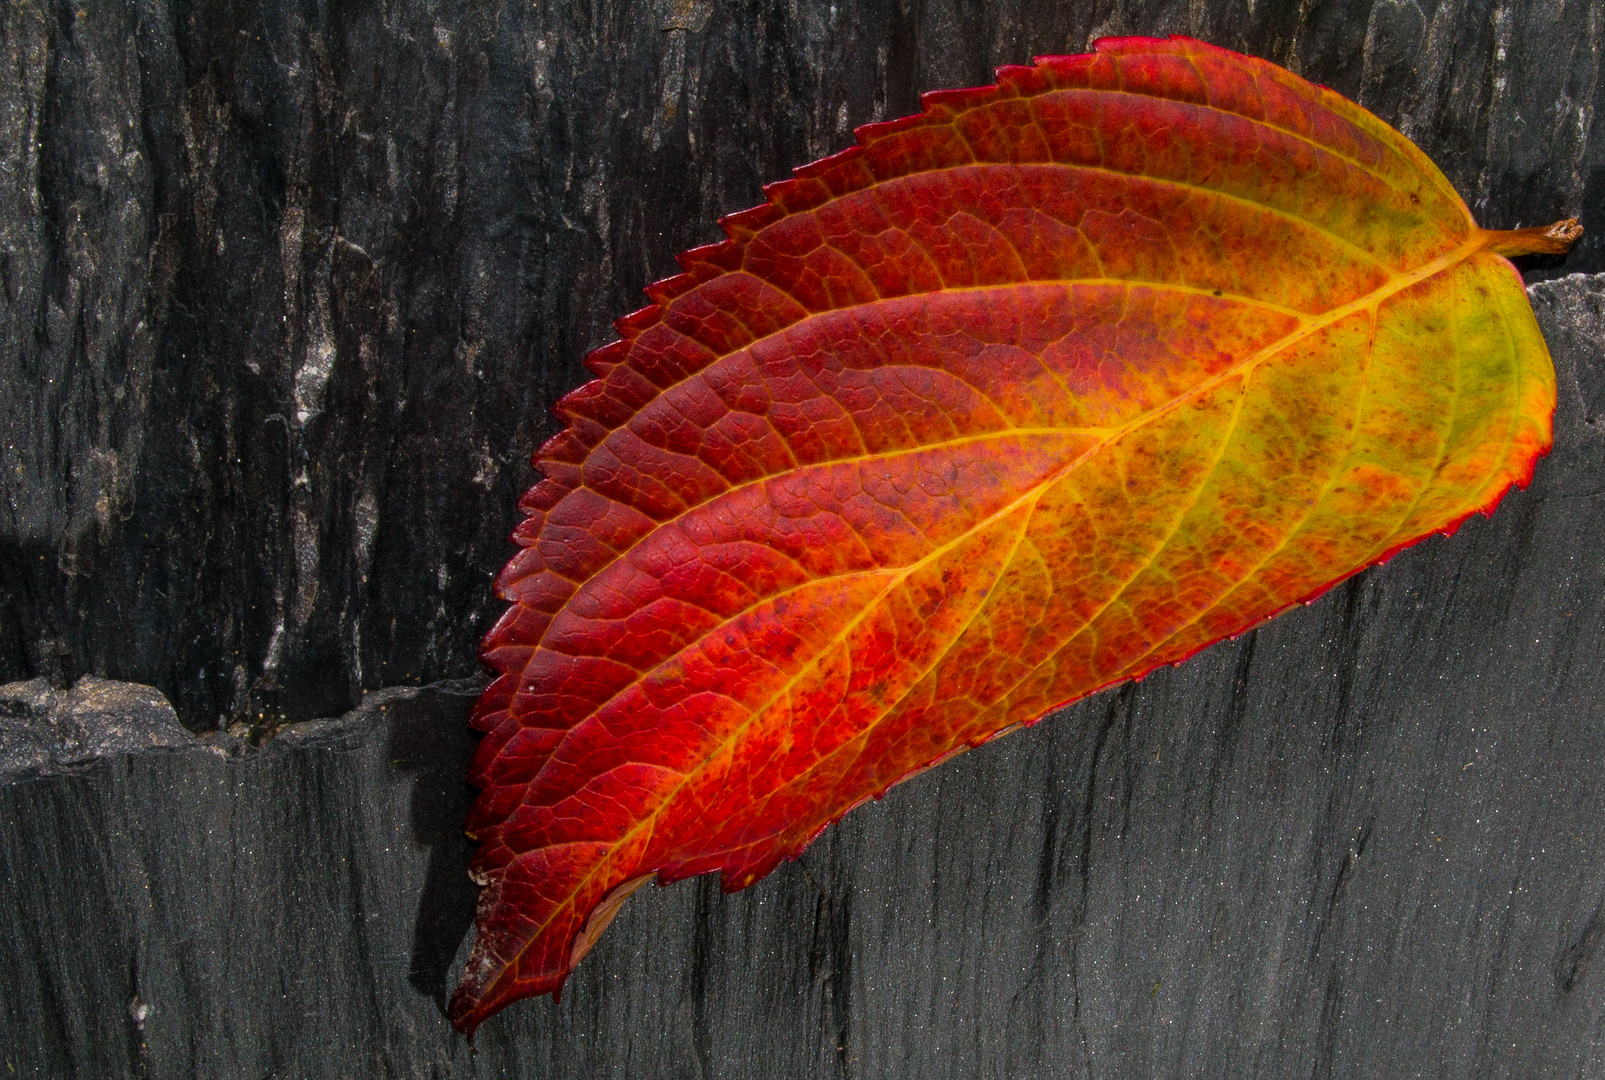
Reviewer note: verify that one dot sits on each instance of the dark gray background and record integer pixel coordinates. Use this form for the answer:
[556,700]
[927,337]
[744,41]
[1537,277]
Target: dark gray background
[289,289]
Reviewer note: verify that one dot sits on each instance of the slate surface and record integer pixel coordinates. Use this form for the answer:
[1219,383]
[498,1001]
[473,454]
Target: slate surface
[1362,841]
[288,288]
[44,730]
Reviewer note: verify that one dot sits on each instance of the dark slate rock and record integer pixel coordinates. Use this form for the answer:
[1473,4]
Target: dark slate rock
[288,289]
[44,730]
[1361,841]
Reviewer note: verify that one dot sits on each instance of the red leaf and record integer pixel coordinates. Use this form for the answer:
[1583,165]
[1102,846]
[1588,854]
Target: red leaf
[1055,383]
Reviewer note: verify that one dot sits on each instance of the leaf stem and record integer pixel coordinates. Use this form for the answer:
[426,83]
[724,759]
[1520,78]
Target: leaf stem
[1539,240]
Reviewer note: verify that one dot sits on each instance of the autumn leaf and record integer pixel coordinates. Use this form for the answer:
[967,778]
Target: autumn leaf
[1057,382]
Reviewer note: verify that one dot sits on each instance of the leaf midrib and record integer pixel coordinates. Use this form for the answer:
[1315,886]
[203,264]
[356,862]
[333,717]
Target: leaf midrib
[1069,283]
[1243,367]
[1424,165]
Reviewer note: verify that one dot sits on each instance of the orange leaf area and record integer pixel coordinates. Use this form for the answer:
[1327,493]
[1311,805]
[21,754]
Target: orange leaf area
[1057,382]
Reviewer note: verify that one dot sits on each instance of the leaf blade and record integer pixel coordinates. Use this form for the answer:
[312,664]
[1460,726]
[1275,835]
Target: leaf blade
[809,530]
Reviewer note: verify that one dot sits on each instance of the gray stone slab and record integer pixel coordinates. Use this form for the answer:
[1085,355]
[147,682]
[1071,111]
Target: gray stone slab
[1362,841]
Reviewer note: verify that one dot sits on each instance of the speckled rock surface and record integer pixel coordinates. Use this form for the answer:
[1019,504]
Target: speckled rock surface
[45,730]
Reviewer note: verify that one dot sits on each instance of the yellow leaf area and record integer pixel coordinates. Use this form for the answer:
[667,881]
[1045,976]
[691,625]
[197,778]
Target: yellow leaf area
[1053,384]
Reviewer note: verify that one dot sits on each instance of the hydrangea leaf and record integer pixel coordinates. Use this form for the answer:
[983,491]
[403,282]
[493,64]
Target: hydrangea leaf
[1060,380]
